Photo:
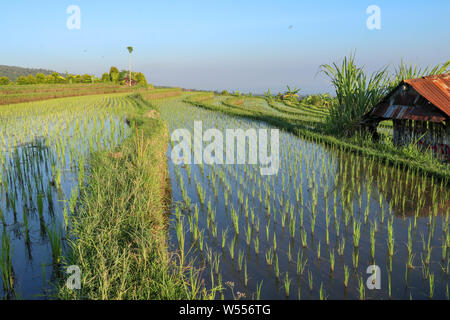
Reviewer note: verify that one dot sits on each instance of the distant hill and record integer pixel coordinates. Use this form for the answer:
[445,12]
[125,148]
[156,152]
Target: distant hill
[14,72]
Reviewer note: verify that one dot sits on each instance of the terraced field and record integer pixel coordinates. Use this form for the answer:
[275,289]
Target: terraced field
[312,230]
[45,147]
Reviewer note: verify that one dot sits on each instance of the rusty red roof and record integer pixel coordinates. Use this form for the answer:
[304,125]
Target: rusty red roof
[404,103]
[436,89]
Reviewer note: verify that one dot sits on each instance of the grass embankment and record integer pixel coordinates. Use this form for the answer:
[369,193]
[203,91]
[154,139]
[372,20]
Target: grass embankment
[408,157]
[119,232]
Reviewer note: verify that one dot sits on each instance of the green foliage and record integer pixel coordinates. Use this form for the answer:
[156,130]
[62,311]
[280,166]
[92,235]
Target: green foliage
[114,74]
[356,94]
[4,81]
[140,78]
[105,77]
[290,93]
[319,100]
[41,78]
[86,78]
[404,71]
[13,73]
[125,256]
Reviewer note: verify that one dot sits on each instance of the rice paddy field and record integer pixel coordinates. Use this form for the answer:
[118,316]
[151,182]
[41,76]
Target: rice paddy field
[308,232]
[45,148]
[312,230]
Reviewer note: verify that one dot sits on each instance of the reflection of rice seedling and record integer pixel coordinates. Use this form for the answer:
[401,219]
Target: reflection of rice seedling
[287,284]
[40,204]
[256,243]
[391,239]
[277,267]
[372,242]
[55,239]
[240,259]
[303,238]
[235,220]
[248,234]
[322,293]
[269,256]
[318,251]
[389,284]
[310,280]
[2,219]
[180,237]
[444,249]
[300,264]
[410,262]
[216,263]
[332,260]
[313,224]
[274,241]
[224,237]
[346,276]
[6,266]
[362,289]
[258,290]
[356,234]
[341,246]
[245,274]
[231,247]
[292,228]
[355,259]
[289,253]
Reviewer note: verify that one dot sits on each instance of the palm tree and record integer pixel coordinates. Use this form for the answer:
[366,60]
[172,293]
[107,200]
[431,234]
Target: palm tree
[291,93]
[130,50]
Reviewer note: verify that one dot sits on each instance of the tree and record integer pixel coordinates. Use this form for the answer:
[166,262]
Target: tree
[106,77]
[77,78]
[291,93]
[56,77]
[130,50]
[21,80]
[49,79]
[40,78]
[140,78]
[86,78]
[4,81]
[30,79]
[123,74]
[114,74]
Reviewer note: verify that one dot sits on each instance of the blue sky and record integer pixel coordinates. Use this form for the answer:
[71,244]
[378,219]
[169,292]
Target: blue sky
[217,44]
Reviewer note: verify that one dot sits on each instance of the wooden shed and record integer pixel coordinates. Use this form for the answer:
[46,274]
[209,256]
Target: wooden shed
[420,111]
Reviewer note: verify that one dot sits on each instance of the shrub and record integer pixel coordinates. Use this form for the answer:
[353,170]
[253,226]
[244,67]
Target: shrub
[356,94]
[4,81]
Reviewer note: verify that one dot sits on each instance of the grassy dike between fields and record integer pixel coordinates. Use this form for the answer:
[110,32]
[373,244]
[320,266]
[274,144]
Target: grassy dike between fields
[119,232]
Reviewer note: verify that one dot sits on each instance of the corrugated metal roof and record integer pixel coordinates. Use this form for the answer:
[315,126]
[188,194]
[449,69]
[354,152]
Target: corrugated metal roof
[424,99]
[386,111]
[436,89]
